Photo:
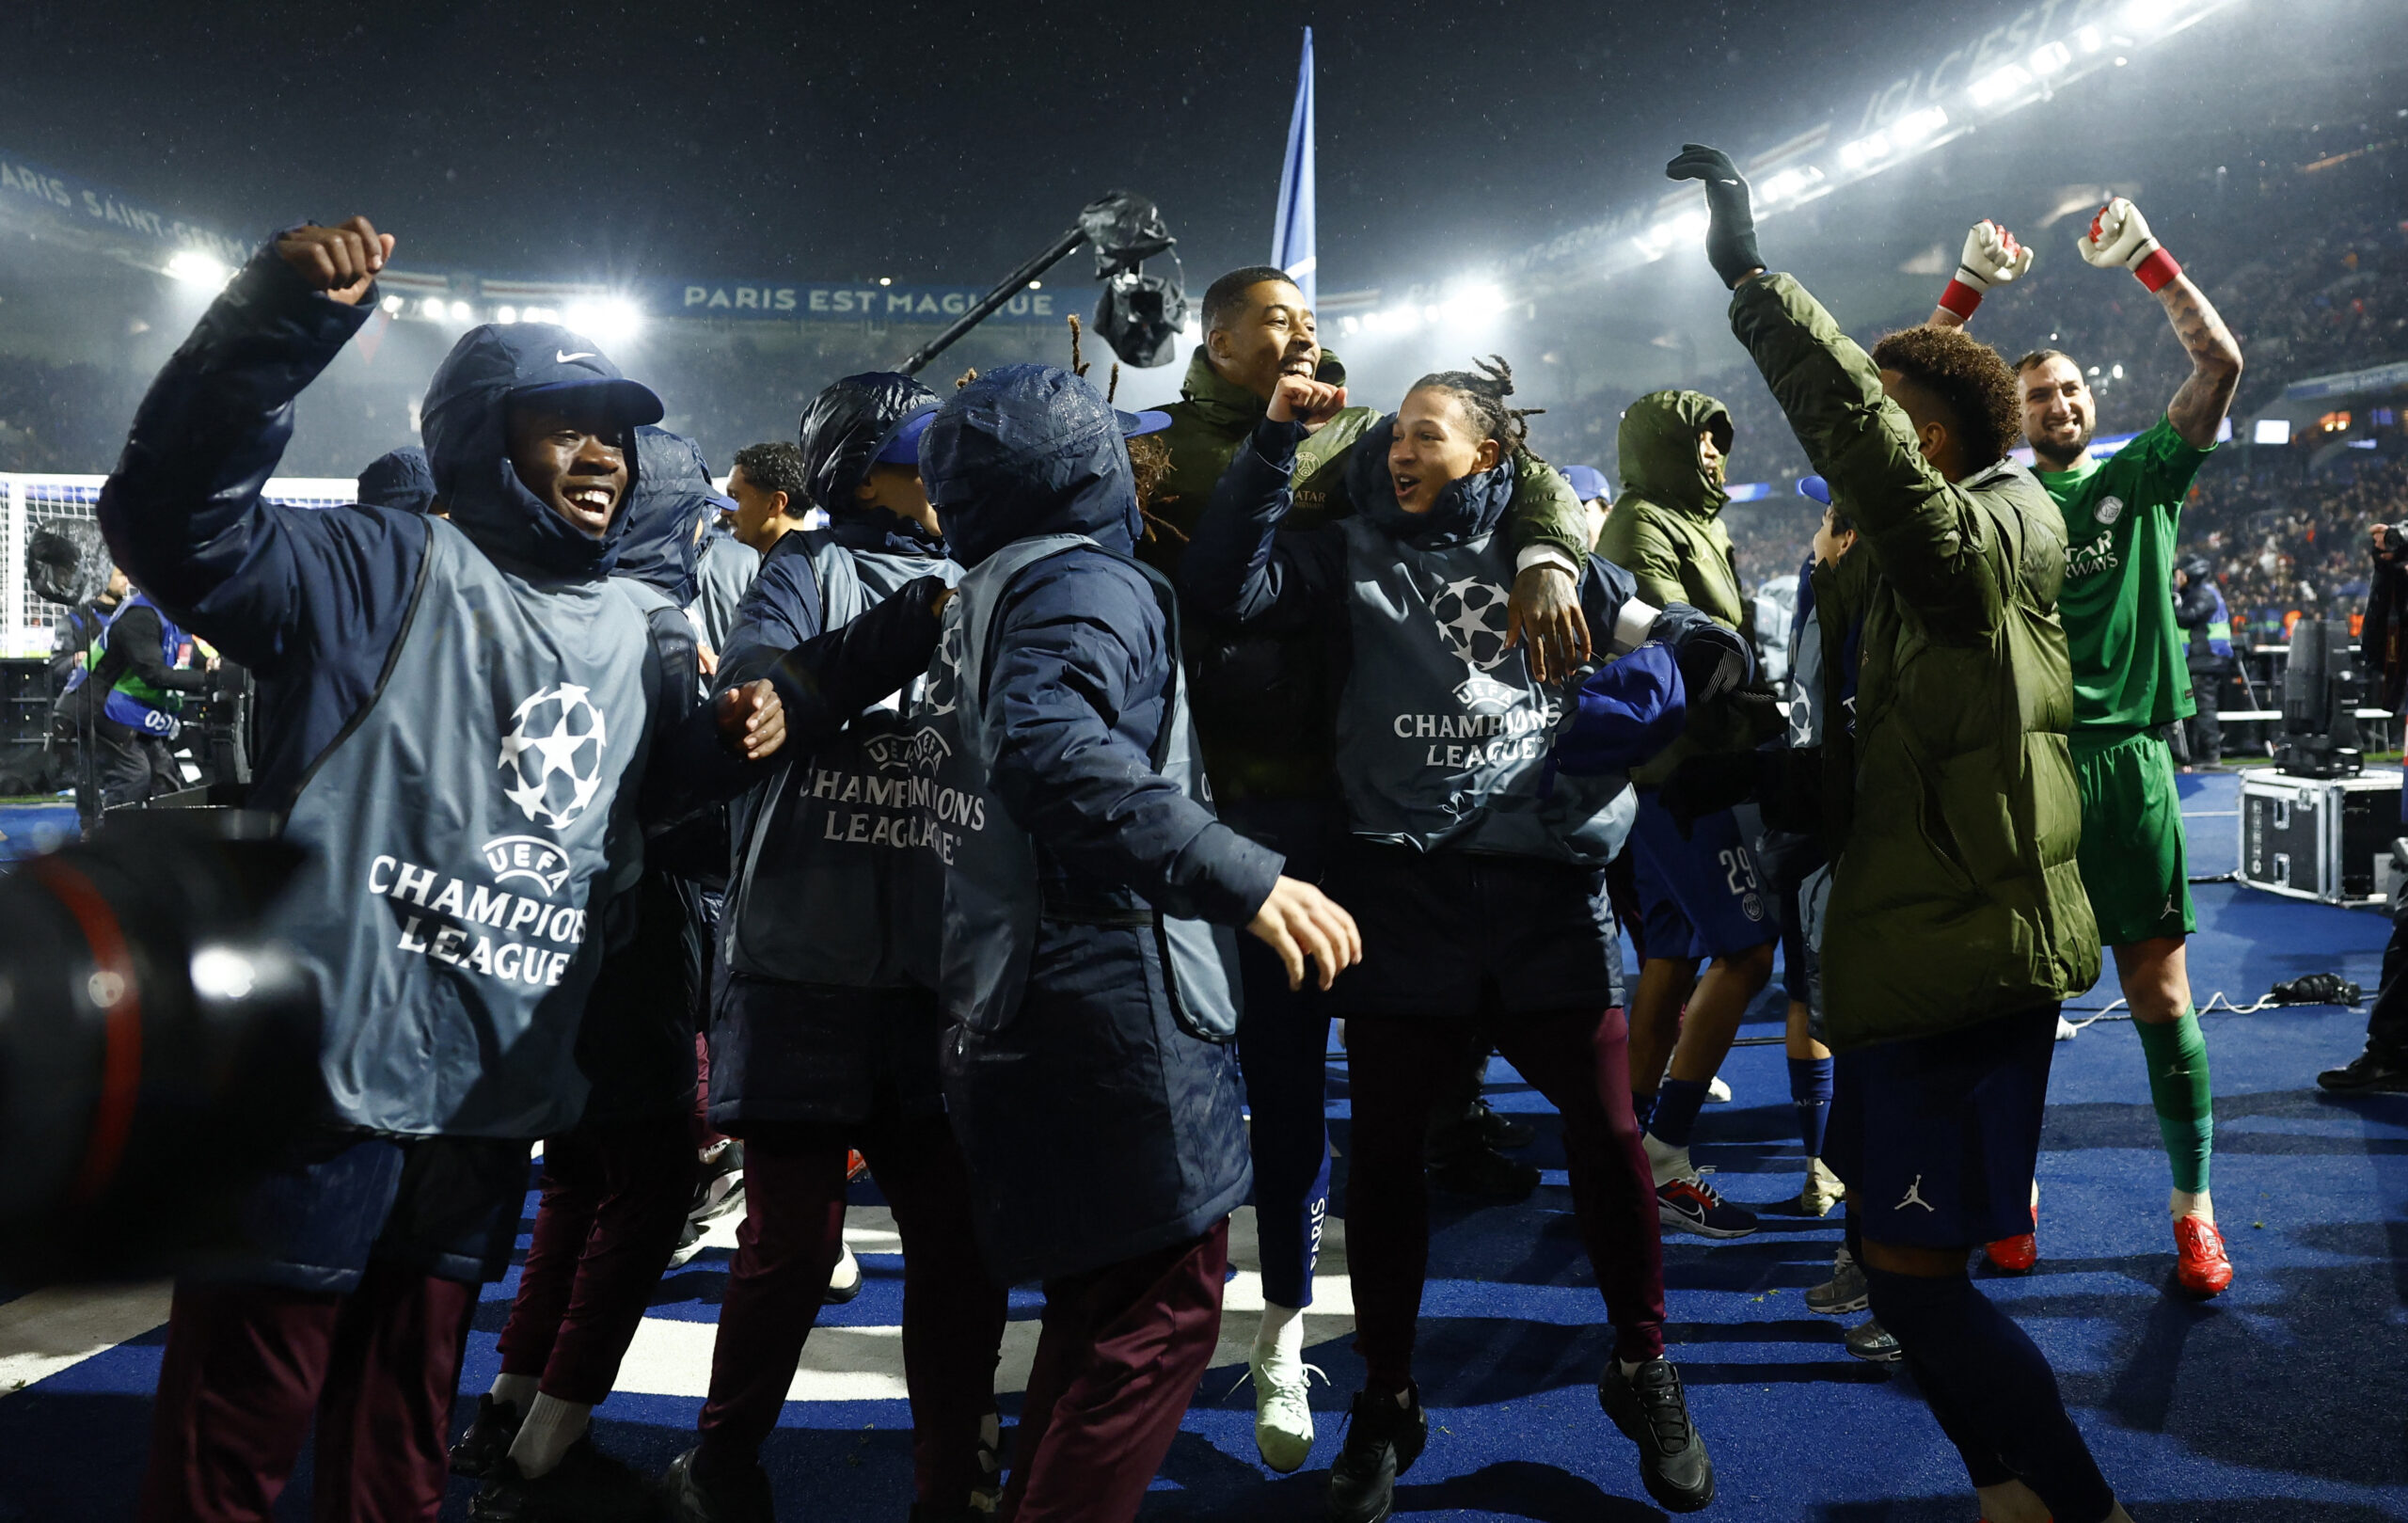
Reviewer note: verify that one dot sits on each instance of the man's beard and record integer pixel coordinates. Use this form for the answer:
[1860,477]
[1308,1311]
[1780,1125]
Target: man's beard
[2054,459]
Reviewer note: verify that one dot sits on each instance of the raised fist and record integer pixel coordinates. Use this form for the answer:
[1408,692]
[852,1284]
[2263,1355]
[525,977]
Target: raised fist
[2117,235]
[1300,399]
[1991,257]
[341,261]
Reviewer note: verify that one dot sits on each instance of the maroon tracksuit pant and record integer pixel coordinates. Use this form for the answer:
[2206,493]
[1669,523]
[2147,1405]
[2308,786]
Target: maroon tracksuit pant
[1116,1366]
[1580,1061]
[794,1221]
[246,1367]
[614,1201]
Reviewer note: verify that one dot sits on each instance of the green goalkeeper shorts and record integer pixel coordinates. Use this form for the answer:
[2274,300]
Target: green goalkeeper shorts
[2133,863]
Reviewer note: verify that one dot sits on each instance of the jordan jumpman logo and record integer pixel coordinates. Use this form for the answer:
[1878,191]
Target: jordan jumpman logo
[1914,1196]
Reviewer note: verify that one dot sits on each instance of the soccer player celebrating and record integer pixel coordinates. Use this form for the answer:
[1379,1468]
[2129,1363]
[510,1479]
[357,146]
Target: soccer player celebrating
[2128,680]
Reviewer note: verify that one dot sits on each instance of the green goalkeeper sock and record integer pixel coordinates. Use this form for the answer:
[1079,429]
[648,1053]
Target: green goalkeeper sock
[2178,1087]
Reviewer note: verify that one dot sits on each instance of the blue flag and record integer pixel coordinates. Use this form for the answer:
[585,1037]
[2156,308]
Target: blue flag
[1292,237]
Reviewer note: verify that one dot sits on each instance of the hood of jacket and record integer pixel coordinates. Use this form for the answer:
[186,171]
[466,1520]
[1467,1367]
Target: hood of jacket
[1023,451]
[659,545]
[1468,507]
[465,423]
[844,427]
[1225,405]
[1657,445]
[398,478]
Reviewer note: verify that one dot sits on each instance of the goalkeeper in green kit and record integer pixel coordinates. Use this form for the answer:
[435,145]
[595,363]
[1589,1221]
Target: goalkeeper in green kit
[2128,679]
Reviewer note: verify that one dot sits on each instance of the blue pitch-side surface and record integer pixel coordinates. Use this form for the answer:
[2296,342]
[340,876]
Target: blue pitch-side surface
[2282,1399]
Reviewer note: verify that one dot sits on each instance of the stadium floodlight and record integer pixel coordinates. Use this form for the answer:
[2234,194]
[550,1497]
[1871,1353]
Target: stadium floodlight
[195,268]
[1350,324]
[606,320]
[2143,17]
[1865,150]
[2088,40]
[2115,371]
[538,314]
[1918,126]
[1791,184]
[431,307]
[505,314]
[2000,86]
[392,305]
[462,313]
[2271,431]
[1471,306]
[2051,58]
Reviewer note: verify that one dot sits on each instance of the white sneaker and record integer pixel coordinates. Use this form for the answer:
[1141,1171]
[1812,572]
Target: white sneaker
[1283,1419]
[1717,1092]
[1823,1189]
[845,1282]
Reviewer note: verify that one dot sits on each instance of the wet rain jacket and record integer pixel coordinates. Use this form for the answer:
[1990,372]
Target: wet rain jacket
[1949,802]
[1097,1127]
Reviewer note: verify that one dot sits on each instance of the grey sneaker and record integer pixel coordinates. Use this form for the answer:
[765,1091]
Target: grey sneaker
[1823,1190]
[1842,1292]
[1870,1342]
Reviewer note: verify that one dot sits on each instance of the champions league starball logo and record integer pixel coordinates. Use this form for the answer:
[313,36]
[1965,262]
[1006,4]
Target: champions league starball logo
[1471,620]
[551,756]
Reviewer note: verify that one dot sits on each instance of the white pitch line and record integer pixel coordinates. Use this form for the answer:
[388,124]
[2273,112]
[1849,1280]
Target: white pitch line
[45,1331]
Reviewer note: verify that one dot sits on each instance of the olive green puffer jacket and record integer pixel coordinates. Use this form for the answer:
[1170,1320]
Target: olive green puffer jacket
[1949,802]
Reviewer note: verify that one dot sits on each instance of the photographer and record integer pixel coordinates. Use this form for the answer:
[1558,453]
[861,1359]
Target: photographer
[2207,624]
[127,699]
[448,711]
[2382,649]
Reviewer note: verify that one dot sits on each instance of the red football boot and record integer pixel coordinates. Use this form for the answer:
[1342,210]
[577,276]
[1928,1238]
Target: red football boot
[2201,1267]
[2016,1255]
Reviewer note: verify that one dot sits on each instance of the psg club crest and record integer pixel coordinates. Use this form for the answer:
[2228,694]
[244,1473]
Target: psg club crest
[551,755]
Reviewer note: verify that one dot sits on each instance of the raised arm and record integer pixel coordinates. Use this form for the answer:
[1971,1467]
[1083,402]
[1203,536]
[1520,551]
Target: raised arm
[2119,235]
[1991,258]
[182,512]
[1241,565]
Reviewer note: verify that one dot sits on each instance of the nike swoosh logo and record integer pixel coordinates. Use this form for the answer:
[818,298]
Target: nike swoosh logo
[559,358]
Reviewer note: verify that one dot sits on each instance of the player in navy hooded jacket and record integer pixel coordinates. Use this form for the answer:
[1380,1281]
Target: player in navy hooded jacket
[1476,874]
[821,1040]
[616,1186]
[453,719]
[1089,1074]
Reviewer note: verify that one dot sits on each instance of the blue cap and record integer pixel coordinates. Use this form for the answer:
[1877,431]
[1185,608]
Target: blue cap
[1151,420]
[1816,487]
[1587,482]
[1628,710]
[902,445]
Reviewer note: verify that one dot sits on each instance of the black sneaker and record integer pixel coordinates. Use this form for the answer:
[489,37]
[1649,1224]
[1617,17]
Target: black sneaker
[1383,1440]
[487,1439]
[586,1486]
[1484,1174]
[2371,1071]
[1500,1130]
[687,1496]
[1648,1406]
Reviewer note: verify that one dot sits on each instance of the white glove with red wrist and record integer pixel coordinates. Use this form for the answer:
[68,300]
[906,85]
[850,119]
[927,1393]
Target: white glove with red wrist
[1991,258]
[2119,235]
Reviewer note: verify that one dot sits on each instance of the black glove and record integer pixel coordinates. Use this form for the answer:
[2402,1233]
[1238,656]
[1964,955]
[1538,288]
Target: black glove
[1731,238]
[1712,661]
[1709,785]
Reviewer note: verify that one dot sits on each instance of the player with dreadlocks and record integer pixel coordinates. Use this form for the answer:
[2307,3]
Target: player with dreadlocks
[1475,874]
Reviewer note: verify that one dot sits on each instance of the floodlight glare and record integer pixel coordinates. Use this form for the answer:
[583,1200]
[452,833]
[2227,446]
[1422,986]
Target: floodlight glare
[2271,431]
[1792,182]
[193,267]
[606,320]
[505,314]
[2000,86]
[1471,306]
[462,312]
[1864,151]
[392,305]
[2088,40]
[1918,126]
[2051,59]
[431,307]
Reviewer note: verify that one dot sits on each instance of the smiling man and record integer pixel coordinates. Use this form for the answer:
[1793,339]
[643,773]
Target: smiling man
[488,663]
[2122,515]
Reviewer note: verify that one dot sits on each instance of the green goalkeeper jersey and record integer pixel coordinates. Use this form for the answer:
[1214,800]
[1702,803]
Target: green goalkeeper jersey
[2118,606]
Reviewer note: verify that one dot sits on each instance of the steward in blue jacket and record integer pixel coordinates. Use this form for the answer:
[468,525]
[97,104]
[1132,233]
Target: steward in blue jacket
[1089,897]
[453,717]
[821,1041]
[1476,871]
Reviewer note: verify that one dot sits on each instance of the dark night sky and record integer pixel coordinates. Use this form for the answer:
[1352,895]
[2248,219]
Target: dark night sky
[709,137]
